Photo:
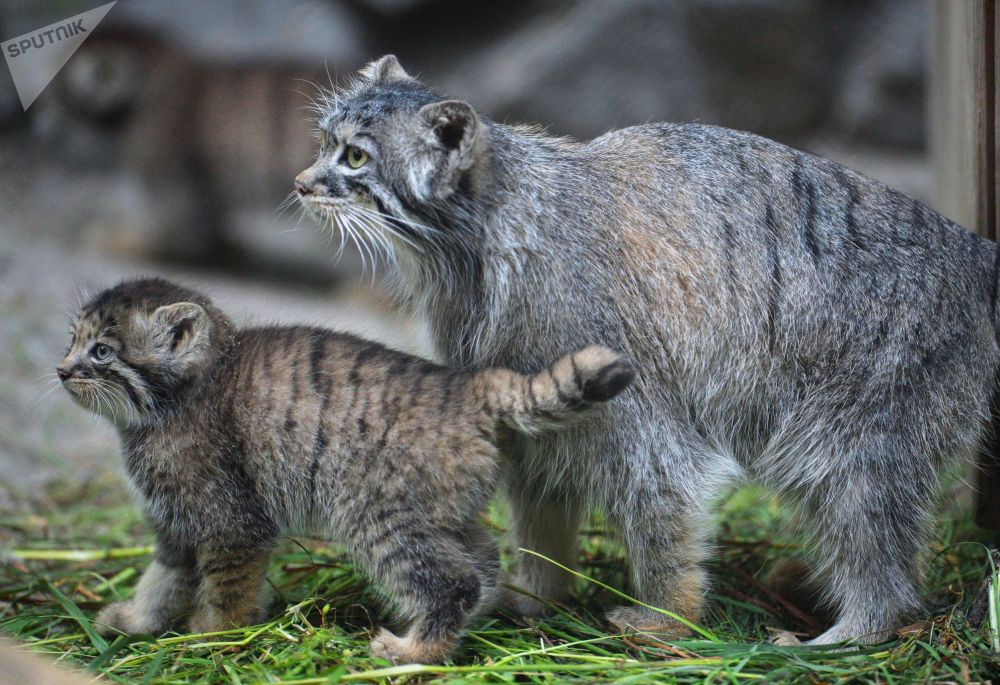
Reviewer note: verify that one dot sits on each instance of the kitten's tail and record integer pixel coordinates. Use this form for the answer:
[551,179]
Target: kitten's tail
[547,400]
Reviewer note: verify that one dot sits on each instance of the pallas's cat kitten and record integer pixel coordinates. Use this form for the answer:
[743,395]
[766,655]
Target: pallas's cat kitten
[796,324]
[233,436]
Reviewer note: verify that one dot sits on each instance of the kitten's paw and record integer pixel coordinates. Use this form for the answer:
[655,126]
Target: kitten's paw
[405,650]
[113,619]
[126,617]
[634,619]
[209,619]
[206,620]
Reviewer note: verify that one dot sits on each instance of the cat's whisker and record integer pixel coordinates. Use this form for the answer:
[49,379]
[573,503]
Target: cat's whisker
[417,226]
[300,215]
[375,238]
[285,204]
[385,238]
[373,232]
[383,222]
[345,229]
[53,385]
[363,246]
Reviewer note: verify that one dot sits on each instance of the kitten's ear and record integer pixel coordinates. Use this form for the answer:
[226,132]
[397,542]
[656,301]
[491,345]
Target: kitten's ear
[187,328]
[386,69]
[454,124]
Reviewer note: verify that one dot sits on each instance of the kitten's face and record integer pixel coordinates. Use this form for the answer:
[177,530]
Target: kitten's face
[388,147]
[98,371]
[128,355]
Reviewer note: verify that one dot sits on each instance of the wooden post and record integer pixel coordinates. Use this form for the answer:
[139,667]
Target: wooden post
[964,123]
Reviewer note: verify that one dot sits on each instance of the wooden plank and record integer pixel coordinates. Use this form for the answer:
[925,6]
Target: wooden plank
[957,112]
[988,481]
[963,117]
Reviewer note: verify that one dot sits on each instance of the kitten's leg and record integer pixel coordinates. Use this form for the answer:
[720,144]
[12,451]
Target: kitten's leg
[551,528]
[231,592]
[435,583]
[163,596]
[870,523]
[665,541]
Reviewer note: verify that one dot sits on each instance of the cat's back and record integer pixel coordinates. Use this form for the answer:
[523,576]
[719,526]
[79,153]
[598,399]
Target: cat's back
[758,216]
[753,252]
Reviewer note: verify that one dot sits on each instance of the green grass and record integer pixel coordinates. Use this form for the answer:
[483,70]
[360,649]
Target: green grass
[88,548]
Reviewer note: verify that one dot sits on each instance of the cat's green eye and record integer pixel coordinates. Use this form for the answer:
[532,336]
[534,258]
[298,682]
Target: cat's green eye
[356,157]
[100,352]
[324,140]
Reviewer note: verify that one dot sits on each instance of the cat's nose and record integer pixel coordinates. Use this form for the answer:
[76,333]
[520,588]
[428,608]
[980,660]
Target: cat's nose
[304,184]
[63,372]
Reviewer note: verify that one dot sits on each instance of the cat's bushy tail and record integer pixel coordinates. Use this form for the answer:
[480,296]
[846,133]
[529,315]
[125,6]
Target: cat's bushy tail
[547,400]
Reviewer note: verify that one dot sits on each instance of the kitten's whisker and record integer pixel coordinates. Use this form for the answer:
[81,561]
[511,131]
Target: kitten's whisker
[53,385]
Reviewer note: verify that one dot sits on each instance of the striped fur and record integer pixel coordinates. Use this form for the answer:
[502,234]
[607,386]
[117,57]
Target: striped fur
[794,323]
[235,436]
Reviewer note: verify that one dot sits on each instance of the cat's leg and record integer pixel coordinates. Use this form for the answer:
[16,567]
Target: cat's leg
[163,597]
[870,521]
[549,527]
[485,552]
[231,591]
[435,583]
[665,539]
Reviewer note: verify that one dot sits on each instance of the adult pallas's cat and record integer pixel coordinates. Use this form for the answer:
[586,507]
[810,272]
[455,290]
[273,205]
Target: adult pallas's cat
[233,436]
[795,324]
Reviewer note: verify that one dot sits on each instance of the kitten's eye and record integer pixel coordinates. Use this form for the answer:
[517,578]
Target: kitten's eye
[356,157]
[324,140]
[100,352]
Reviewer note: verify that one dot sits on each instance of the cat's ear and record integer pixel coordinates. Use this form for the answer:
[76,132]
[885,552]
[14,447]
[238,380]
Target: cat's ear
[186,328]
[451,136]
[454,124]
[386,69]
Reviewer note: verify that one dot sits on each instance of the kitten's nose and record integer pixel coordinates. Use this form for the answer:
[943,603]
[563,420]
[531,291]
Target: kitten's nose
[63,372]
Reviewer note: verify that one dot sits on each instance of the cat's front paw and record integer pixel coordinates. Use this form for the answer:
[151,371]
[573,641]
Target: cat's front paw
[406,650]
[127,617]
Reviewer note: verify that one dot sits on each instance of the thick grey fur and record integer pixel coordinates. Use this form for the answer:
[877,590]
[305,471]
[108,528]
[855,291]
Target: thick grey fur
[793,323]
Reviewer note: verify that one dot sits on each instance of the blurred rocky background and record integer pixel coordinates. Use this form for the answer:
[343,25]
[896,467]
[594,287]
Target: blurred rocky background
[176,129]
[169,140]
